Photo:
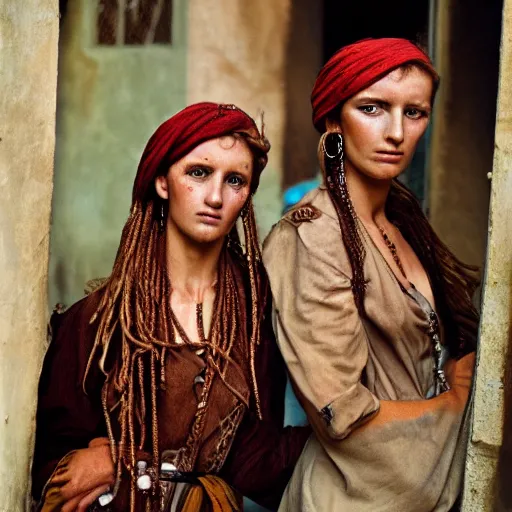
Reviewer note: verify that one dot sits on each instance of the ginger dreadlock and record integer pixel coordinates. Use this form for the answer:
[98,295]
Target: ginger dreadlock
[136,302]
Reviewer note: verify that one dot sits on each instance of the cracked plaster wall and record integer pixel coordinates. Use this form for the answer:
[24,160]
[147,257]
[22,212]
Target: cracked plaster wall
[488,434]
[29,33]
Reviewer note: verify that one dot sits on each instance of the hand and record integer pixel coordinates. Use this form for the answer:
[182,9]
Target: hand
[82,502]
[89,473]
[460,375]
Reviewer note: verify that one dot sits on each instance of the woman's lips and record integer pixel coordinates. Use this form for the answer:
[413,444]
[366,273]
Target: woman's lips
[389,157]
[209,218]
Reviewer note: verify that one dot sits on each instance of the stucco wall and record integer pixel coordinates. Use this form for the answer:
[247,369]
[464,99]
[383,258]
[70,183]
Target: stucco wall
[28,74]
[237,55]
[303,62]
[110,100]
[487,432]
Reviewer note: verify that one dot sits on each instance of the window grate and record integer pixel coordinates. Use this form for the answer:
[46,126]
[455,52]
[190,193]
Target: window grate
[134,22]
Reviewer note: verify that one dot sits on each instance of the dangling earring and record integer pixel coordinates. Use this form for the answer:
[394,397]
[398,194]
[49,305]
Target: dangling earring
[161,220]
[332,146]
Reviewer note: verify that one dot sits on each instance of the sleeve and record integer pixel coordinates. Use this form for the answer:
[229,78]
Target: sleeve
[318,327]
[264,453]
[67,418]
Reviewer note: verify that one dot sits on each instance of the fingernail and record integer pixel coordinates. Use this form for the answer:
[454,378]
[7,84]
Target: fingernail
[105,499]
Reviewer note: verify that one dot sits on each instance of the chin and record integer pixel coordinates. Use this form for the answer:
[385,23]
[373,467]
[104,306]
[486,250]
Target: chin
[208,237]
[384,173]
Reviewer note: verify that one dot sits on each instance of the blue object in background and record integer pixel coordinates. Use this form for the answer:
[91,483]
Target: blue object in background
[295,193]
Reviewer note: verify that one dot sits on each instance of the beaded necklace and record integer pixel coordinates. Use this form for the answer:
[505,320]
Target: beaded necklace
[441,384]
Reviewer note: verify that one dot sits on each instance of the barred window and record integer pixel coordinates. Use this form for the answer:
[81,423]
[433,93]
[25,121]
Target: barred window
[134,22]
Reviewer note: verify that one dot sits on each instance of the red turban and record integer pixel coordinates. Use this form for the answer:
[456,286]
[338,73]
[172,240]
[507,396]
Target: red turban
[180,134]
[356,67]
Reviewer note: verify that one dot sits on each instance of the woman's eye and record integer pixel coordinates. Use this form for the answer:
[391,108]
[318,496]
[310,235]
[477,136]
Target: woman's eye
[414,113]
[235,180]
[197,172]
[369,109]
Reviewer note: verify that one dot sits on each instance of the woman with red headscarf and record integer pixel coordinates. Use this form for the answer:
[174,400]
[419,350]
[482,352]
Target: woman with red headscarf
[373,313]
[164,387]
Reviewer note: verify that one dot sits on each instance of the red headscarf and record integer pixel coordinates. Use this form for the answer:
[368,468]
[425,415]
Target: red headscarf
[356,67]
[180,134]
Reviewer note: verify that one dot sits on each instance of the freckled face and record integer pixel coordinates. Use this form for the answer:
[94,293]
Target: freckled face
[208,188]
[383,124]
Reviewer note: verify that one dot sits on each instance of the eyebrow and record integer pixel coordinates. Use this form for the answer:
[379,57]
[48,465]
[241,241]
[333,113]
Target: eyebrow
[380,101]
[211,168]
[372,99]
[189,165]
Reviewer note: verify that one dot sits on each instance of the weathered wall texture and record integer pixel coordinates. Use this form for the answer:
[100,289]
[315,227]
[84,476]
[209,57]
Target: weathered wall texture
[28,74]
[467,57]
[504,472]
[487,433]
[303,62]
[110,100]
[237,55]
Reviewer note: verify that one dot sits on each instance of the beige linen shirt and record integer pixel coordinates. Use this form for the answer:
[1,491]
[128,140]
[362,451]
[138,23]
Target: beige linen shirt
[342,365]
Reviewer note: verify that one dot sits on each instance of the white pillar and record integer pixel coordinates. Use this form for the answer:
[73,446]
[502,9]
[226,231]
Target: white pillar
[29,31]
[487,428]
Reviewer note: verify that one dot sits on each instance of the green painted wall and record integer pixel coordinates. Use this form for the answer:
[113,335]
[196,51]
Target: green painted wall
[110,100]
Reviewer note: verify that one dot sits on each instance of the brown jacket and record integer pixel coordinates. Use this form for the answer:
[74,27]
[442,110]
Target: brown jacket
[262,454]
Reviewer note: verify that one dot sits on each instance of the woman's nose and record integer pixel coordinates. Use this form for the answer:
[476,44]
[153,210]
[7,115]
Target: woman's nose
[214,195]
[395,128]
